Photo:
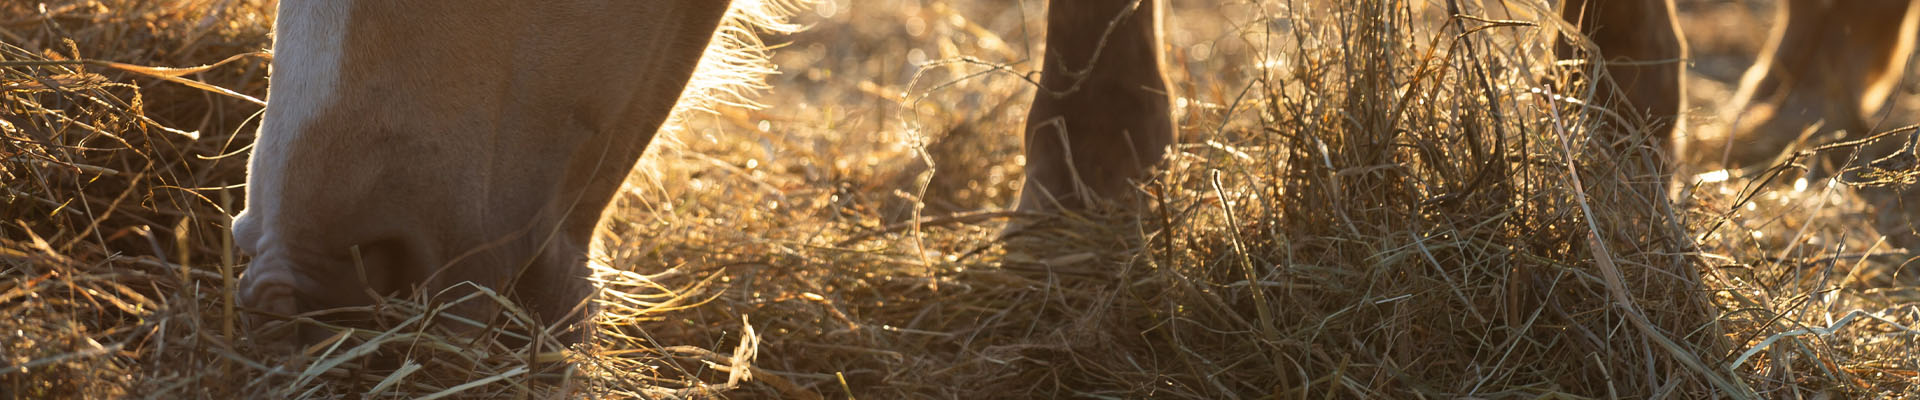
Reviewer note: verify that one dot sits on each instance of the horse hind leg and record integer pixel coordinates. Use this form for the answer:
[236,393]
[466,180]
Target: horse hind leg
[1102,117]
[1641,47]
[1641,50]
[1829,64]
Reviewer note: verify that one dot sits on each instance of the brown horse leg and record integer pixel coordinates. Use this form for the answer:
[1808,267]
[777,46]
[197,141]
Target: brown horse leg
[1828,62]
[1102,116]
[1644,54]
[1832,63]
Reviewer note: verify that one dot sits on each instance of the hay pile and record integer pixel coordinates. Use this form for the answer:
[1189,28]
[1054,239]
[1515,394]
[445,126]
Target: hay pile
[1372,201]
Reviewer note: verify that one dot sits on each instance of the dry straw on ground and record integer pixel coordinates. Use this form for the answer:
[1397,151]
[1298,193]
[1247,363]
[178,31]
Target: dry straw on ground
[1372,201]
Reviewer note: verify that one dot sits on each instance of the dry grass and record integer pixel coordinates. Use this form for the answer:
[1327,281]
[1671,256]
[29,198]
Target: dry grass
[1369,203]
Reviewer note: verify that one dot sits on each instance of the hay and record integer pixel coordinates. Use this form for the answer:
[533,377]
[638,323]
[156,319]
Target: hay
[1372,201]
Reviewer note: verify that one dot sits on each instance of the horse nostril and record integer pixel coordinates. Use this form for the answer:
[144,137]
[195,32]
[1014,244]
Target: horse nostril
[270,295]
[267,292]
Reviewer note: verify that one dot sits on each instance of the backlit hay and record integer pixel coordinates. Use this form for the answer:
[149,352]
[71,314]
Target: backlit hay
[1371,201]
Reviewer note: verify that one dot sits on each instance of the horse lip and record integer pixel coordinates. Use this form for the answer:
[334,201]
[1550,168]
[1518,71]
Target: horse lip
[247,235]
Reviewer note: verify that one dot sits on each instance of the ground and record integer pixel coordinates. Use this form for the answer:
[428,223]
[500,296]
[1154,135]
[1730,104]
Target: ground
[1359,209]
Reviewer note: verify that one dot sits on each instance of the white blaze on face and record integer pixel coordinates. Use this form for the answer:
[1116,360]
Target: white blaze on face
[307,58]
